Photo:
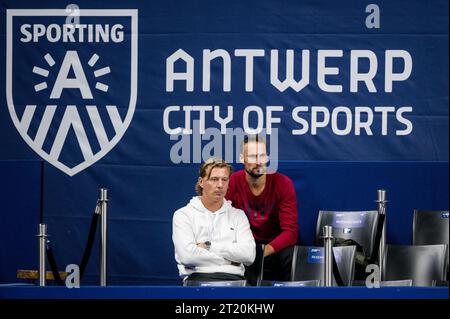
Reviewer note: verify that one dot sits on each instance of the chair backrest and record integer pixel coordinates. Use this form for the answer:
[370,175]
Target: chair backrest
[259,260]
[228,283]
[430,227]
[345,260]
[304,283]
[254,272]
[421,263]
[361,226]
[308,263]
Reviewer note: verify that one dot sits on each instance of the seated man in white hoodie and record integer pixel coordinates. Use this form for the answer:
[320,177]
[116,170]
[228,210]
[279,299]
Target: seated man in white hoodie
[212,239]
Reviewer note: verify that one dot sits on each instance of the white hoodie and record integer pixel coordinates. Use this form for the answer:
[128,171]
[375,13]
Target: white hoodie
[228,230]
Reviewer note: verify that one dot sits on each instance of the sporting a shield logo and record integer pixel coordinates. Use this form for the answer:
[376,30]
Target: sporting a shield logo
[71,84]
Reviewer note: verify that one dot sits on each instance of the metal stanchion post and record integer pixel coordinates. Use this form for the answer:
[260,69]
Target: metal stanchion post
[382,211]
[42,253]
[328,248]
[104,235]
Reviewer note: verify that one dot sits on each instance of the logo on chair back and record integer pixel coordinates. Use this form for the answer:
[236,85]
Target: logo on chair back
[315,255]
[71,87]
[348,221]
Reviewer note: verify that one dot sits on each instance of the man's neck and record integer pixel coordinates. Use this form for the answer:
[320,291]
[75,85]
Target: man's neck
[211,206]
[256,184]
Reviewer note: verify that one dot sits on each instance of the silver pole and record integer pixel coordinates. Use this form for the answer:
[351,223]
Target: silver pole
[104,234]
[382,211]
[328,248]
[42,253]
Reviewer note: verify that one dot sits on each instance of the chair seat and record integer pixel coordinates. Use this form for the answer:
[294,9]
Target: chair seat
[388,283]
[228,283]
[421,263]
[303,283]
[440,283]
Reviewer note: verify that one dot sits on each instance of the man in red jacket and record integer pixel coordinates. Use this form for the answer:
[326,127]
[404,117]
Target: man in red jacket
[269,201]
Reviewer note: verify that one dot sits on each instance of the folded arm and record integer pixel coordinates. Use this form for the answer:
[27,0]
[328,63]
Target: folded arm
[189,253]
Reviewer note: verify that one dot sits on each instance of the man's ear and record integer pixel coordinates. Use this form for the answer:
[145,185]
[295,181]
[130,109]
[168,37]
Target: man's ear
[200,182]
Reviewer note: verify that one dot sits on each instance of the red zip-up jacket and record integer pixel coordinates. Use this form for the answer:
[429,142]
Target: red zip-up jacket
[273,213]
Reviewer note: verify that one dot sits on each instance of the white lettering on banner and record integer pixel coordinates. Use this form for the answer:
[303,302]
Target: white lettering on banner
[390,76]
[367,78]
[71,61]
[360,124]
[265,119]
[260,118]
[325,69]
[320,118]
[249,57]
[187,76]
[72,33]
[208,56]
[342,120]
[290,81]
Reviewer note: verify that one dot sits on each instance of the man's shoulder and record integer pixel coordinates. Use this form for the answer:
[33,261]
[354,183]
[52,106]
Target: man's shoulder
[238,175]
[280,178]
[236,211]
[183,211]
[282,184]
[237,180]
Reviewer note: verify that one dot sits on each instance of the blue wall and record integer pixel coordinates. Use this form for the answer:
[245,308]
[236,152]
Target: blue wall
[20,191]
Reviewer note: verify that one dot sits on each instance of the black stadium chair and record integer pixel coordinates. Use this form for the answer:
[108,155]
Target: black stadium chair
[308,263]
[361,226]
[421,263]
[431,228]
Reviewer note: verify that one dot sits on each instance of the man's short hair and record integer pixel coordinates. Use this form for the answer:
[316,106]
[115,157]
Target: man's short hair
[252,138]
[206,169]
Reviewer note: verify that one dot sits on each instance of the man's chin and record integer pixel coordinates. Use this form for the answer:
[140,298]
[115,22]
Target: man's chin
[256,173]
